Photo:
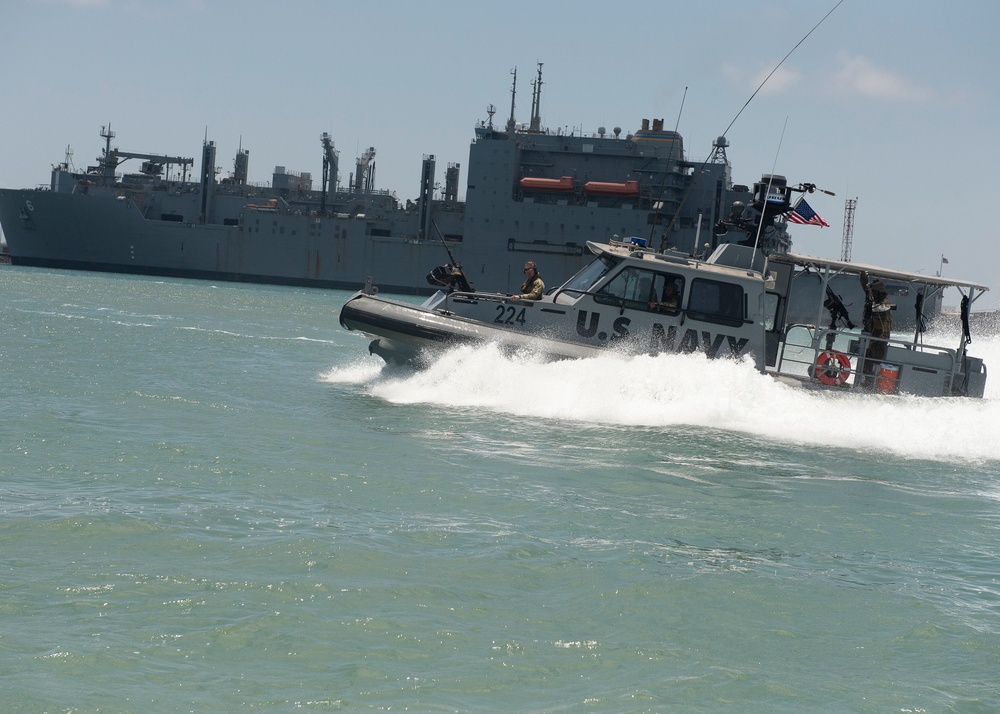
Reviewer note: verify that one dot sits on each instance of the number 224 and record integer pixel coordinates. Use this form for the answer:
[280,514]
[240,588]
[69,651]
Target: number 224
[507,315]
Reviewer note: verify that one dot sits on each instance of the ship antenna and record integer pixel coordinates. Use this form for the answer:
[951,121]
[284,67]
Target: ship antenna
[513,94]
[778,65]
[770,179]
[680,111]
[670,156]
[677,212]
[107,135]
[536,102]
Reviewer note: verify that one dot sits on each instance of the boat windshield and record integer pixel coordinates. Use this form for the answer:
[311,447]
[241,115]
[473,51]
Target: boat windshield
[588,277]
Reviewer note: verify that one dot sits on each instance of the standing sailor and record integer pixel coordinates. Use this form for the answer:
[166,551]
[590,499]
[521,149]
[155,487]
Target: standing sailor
[877,322]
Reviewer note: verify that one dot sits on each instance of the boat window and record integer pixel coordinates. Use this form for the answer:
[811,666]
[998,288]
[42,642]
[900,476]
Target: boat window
[640,289]
[586,278]
[770,313]
[622,288]
[716,301]
[667,291]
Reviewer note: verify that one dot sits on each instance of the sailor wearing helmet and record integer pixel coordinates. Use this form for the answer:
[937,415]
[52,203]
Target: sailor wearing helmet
[877,322]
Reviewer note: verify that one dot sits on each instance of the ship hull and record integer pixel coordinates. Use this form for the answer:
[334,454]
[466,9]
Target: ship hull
[103,233]
[409,334]
[160,221]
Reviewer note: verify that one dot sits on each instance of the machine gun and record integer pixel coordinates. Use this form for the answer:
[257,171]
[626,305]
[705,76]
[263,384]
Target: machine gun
[838,315]
[451,275]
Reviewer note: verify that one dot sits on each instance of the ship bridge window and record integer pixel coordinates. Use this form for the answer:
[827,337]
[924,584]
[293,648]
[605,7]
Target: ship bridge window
[716,301]
[640,289]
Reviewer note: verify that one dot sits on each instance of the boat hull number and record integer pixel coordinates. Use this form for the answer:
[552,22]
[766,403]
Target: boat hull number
[508,315]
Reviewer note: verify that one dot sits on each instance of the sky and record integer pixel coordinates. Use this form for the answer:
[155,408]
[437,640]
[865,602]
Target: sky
[890,102]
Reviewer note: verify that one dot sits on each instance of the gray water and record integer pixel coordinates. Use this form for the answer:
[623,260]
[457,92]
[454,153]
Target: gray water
[213,500]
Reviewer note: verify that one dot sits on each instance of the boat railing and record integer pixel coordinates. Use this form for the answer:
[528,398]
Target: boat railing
[907,366]
[474,296]
[502,297]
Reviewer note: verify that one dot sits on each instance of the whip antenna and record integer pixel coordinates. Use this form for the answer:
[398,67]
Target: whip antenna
[677,211]
[767,191]
[670,156]
[778,65]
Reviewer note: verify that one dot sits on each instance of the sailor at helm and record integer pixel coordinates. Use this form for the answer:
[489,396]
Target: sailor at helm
[670,301]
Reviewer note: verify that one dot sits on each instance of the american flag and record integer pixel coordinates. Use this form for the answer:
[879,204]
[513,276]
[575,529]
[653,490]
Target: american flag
[805,215]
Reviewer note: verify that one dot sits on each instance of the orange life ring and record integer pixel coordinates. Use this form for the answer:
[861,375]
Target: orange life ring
[832,368]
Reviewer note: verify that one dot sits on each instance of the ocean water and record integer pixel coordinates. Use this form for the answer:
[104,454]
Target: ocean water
[213,500]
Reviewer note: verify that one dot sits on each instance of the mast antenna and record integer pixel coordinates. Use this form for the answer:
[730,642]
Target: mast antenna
[107,135]
[804,38]
[536,102]
[513,95]
[677,211]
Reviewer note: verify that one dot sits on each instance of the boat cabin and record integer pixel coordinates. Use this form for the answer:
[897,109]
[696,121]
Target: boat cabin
[637,300]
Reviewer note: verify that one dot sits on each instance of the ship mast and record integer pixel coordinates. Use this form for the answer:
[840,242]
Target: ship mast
[513,94]
[845,250]
[536,102]
[330,159]
[107,162]
[68,161]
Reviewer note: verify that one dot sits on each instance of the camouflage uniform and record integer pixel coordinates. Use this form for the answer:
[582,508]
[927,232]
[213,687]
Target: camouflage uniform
[877,322]
[671,300]
[532,288]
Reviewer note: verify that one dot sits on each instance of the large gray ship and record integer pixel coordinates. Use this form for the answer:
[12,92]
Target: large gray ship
[531,193]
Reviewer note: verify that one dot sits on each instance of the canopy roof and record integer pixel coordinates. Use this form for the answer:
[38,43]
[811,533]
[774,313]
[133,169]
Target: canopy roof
[842,266]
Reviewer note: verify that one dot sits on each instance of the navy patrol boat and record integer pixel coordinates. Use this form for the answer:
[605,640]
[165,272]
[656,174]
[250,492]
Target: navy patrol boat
[734,303]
